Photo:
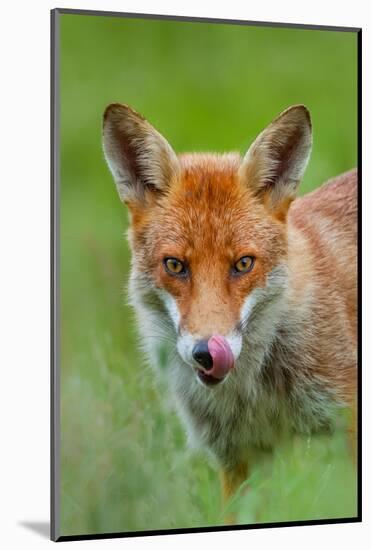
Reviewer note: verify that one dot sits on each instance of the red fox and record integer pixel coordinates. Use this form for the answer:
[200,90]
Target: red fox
[253,290]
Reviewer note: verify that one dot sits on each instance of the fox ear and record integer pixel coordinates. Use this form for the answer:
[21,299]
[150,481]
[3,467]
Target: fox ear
[140,159]
[275,163]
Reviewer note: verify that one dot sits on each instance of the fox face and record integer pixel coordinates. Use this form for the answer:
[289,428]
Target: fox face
[208,232]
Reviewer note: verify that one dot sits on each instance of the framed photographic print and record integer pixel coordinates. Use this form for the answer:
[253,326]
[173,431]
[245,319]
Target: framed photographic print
[205,261]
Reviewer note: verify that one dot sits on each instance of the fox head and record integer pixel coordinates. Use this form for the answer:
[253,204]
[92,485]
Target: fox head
[208,232]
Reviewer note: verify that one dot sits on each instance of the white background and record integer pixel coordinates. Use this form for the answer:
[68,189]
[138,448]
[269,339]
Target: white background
[24,254]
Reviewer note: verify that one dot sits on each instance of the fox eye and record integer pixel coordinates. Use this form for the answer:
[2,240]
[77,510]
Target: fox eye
[174,266]
[244,264]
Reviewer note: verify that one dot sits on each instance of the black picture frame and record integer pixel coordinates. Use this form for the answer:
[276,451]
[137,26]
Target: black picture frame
[55,280]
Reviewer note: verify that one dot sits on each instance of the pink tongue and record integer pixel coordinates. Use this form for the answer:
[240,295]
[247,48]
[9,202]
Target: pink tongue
[222,355]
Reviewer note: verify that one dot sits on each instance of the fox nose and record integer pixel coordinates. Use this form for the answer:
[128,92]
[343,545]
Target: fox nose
[202,355]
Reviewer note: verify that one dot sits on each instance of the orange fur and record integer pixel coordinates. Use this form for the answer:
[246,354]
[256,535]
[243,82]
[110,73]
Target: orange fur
[211,301]
[231,480]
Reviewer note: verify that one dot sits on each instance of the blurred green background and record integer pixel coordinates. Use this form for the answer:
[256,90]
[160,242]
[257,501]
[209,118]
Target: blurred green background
[124,462]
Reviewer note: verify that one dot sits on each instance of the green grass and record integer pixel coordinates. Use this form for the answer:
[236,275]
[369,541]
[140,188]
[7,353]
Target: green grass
[125,464]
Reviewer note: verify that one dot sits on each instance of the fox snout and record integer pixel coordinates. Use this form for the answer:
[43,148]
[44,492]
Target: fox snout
[212,358]
[215,358]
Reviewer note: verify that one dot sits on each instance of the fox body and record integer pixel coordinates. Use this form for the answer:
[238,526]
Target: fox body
[250,292]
